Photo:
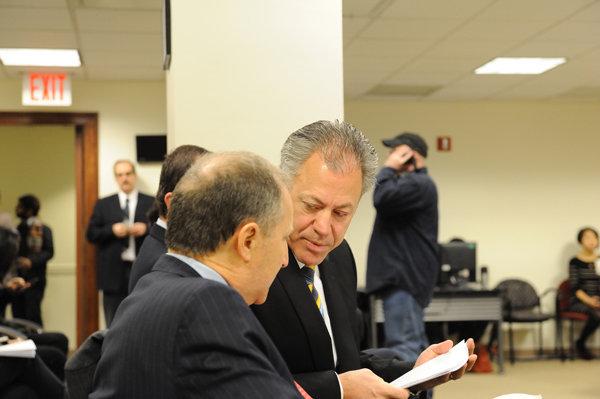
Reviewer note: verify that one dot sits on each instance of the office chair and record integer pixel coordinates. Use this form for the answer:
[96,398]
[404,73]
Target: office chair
[562,312]
[522,305]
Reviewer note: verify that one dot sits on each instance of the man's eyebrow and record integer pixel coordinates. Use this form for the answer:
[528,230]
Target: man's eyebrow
[317,201]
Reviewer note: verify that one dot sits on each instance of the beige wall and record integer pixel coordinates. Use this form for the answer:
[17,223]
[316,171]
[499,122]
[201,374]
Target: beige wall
[522,178]
[125,109]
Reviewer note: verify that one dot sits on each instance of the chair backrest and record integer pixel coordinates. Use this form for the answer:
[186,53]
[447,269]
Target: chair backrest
[564,293]
[81,367]
[519,294]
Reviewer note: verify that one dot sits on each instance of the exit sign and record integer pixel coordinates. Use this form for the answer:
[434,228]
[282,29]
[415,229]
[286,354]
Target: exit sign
[53,89]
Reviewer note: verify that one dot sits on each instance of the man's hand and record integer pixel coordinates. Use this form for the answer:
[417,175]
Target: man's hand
[23,263]
[17,284]
[138,229]
[595,302]
[398,158]
[120,230]
[364,384]
[439,349]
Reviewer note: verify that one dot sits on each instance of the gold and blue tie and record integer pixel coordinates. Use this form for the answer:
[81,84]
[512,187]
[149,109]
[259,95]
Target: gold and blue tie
[309,276]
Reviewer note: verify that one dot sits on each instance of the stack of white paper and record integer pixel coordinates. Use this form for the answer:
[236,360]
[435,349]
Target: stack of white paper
[451,361]
[20,349]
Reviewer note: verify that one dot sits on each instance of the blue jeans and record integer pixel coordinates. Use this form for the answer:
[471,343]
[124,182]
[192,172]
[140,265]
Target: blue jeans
[404,326]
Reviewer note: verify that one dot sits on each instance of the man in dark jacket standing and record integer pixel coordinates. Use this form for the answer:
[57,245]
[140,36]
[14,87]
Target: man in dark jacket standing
[35,250]
[118,226]
[403,253]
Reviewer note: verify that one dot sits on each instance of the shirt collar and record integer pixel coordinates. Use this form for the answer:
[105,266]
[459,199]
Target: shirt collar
[132,194]
[200,268]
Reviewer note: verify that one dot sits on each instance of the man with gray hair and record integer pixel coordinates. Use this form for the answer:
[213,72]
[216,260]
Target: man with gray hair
[186,330]
[331,165]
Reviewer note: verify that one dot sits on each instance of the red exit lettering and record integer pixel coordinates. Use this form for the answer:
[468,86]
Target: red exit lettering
[52,85]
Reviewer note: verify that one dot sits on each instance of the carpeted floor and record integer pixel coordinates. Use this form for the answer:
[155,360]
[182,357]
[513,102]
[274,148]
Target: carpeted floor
[551,379]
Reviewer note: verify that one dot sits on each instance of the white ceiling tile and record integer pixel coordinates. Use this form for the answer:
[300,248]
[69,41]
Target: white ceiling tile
[35,39]
[374,64]
[589,14]
[138,42]
[410,28]
[533,10]
[124,4]
[435,9]
[34,3]
[353,26]
[550,49]
[495,82]
[423,78]
[447,64]
[125,74]
[463,93]
[499,30]
[571,31]
[470,48]
[35,19]
[118,60]
[386,48]
[119,21]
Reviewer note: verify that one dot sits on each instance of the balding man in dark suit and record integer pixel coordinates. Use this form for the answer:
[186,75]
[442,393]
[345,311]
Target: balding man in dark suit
[186,330]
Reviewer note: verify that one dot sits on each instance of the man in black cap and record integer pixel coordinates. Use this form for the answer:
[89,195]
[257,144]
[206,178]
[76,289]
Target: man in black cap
[403,254]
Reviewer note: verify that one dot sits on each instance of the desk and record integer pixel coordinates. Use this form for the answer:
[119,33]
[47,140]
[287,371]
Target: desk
[455,306]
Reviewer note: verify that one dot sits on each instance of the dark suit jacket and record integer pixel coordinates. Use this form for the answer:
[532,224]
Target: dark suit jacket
[295,324]
[39,260]
[179,335]
[153,248]
[107,212]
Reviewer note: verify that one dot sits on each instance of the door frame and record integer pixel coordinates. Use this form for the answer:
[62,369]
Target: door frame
[86,184]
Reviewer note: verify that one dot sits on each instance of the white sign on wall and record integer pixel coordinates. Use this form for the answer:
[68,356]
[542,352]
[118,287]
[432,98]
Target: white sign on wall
[52,89]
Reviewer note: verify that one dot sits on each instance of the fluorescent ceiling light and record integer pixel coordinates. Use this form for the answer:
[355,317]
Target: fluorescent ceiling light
[519,66]
[39,57]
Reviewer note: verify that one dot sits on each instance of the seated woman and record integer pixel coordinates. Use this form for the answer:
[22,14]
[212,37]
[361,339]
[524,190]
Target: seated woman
[585,287]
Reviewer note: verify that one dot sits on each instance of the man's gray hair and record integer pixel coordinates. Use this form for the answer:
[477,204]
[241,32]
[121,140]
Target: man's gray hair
[219,193]
[341,145]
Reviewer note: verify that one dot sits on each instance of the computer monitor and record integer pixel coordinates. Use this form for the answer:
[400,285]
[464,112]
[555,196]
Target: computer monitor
[458,263]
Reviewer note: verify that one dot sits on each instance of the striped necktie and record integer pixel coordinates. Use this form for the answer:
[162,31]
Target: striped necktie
[309,276]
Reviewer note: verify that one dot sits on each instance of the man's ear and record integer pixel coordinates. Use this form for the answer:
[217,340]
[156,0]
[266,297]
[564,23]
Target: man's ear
[248,240]
[168,198]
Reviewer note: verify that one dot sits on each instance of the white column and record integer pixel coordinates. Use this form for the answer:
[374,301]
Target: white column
[245,74]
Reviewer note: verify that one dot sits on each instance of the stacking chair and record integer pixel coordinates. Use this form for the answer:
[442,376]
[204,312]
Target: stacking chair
[522,305]
[562,313]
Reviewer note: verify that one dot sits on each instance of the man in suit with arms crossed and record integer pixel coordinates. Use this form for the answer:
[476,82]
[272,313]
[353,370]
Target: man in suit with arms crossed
[118,226]
[331,165]
[186,330]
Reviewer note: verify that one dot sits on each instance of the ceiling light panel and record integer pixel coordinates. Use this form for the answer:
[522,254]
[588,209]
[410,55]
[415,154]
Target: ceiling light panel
[39,57]
[519,66]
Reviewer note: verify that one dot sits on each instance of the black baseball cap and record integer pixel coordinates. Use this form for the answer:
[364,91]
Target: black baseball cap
[412,140]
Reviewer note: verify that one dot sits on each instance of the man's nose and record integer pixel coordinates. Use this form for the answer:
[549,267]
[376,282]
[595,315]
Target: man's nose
[322,223]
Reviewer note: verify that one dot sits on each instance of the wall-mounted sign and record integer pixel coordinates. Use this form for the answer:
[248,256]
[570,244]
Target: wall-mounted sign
[47,89]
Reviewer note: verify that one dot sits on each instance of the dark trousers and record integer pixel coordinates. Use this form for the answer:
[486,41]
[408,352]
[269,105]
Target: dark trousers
[28,304]
[28,376]
[112,299]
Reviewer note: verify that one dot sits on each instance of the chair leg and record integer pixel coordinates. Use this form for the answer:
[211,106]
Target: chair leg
[540,345]
[571,346]
[511,344]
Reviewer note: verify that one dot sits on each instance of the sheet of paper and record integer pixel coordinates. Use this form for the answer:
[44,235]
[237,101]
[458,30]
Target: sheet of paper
[20,349]
[519,396]
[451,361]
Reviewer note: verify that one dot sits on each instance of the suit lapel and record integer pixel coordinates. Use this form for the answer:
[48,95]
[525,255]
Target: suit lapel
[314,327]
[344,338]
